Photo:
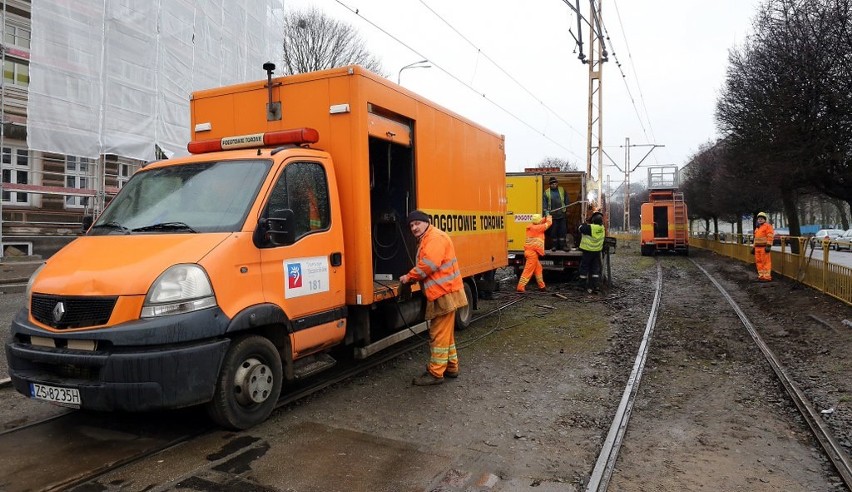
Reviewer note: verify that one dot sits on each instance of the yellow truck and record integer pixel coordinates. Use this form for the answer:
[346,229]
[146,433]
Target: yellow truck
[219,278]
[524,193]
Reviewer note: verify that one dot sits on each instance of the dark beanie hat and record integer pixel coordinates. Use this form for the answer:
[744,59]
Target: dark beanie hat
[417,215]
[553,180]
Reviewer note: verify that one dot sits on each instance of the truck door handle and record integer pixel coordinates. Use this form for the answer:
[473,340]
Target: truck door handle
[336,259]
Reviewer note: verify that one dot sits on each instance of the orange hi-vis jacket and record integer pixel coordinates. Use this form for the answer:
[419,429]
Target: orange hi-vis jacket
[437,266]
[535,236]
[764,235]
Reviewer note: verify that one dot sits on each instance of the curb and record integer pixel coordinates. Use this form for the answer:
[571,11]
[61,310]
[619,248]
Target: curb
[13,288]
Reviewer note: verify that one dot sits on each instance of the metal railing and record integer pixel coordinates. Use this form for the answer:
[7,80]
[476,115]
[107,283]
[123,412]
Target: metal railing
[798,258]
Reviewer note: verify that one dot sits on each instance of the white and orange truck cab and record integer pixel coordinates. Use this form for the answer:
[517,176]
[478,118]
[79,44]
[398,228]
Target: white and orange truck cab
[220,277]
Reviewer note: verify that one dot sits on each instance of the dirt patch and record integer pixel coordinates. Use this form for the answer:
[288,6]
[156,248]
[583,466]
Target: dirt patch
[541,380]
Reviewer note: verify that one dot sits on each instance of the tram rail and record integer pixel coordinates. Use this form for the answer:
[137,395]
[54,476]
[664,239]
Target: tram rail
[32,453]
[608,456]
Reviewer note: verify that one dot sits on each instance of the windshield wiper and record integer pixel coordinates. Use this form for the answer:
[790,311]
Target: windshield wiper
[112,225]
[166,226]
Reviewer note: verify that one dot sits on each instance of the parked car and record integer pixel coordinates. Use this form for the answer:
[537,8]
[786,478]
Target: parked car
[843,241]
[780,233]
[824,234]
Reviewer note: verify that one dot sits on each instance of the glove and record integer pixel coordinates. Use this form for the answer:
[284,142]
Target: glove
[751,251]
[767,248]
[546,213]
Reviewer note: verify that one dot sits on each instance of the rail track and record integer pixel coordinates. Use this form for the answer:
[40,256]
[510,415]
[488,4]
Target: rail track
[608,456]
[35,456]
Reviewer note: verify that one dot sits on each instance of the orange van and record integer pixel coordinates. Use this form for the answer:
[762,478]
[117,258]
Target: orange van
[221,277]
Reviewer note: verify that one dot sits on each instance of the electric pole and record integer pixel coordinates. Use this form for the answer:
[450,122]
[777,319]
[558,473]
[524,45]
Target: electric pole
[597,56]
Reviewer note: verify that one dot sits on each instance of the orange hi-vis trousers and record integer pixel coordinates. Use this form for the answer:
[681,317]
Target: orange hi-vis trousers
[532,265]
[442,345]
[763,260]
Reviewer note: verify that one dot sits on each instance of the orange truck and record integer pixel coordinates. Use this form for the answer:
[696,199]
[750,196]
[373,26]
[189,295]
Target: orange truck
[265,256]
[665,223]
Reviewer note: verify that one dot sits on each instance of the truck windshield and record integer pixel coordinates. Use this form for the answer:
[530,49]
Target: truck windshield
[202,197]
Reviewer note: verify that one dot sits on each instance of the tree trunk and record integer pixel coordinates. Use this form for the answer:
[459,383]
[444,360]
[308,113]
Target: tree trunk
[788,199]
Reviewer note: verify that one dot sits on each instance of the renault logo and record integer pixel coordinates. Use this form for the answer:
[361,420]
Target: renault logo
[58,311]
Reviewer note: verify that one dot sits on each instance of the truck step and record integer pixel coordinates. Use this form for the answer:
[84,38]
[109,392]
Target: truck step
[311,365]
[364,352]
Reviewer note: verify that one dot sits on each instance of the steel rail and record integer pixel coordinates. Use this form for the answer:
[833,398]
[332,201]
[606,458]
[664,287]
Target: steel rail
[172,438]
[599,480]
[820,430]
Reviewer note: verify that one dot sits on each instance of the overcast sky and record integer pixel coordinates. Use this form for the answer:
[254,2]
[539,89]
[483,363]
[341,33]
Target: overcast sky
[511,67]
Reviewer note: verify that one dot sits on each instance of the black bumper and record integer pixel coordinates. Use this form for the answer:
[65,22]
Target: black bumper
[161,363]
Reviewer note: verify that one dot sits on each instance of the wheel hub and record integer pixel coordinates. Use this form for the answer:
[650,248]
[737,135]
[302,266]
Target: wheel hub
[253,382]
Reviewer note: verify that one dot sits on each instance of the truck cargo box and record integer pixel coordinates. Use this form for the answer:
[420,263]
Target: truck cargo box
[394,152]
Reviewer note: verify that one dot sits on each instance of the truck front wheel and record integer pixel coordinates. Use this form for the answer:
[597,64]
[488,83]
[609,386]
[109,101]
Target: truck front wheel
[248,385]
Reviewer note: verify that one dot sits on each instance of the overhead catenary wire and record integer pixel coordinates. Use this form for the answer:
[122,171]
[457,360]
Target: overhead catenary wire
[506,73]
[457,79]
[652,137]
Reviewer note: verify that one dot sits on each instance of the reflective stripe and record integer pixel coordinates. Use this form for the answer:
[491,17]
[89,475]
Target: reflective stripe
[440,349]
[534,241]
[442,280]
[429,263]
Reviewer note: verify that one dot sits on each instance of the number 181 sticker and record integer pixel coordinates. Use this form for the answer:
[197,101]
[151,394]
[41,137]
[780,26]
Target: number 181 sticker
[305,276]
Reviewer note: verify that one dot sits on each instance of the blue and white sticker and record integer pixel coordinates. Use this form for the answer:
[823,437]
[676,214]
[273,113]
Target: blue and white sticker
[305,276]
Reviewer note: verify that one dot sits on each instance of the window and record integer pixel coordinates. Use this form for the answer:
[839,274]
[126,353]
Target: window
[303,188]
[78,172]
[16,169]
[124,173]
[17,36]
[16,73]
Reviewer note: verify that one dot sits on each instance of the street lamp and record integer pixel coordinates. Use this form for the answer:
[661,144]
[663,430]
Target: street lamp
[417,64]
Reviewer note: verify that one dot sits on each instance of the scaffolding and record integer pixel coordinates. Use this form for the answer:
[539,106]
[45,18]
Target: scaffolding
[105,87]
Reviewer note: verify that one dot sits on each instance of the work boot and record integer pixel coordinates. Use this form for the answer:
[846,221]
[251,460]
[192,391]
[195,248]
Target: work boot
[426,379]
[451,374]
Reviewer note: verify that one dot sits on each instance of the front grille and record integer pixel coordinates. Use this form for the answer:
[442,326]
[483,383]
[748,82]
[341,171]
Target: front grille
[79,312]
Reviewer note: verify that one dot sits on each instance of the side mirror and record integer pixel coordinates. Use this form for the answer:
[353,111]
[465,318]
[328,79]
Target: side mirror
[87,222]
[280,226]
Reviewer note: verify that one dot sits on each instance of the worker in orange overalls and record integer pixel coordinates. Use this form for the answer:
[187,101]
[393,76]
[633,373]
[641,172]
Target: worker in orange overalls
[763,237]
[438,271]
[533,248]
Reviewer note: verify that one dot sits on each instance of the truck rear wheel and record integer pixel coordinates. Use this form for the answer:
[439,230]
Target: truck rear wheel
[249,384]
[465,314]
[647,250]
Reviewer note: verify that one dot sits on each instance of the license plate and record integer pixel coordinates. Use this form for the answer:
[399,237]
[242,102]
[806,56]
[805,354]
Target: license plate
[69,397]
[546,262]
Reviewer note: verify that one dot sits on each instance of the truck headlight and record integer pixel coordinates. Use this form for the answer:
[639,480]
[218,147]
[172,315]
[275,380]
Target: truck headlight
[31,281]
[180,289]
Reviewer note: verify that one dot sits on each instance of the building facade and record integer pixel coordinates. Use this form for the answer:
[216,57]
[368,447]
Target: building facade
[44,195]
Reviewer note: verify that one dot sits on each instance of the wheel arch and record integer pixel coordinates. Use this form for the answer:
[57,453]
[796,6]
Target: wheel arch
[269,321]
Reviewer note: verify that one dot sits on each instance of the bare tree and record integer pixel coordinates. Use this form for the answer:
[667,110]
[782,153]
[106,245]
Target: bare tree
[786,106]
[313,41]
[557,162]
